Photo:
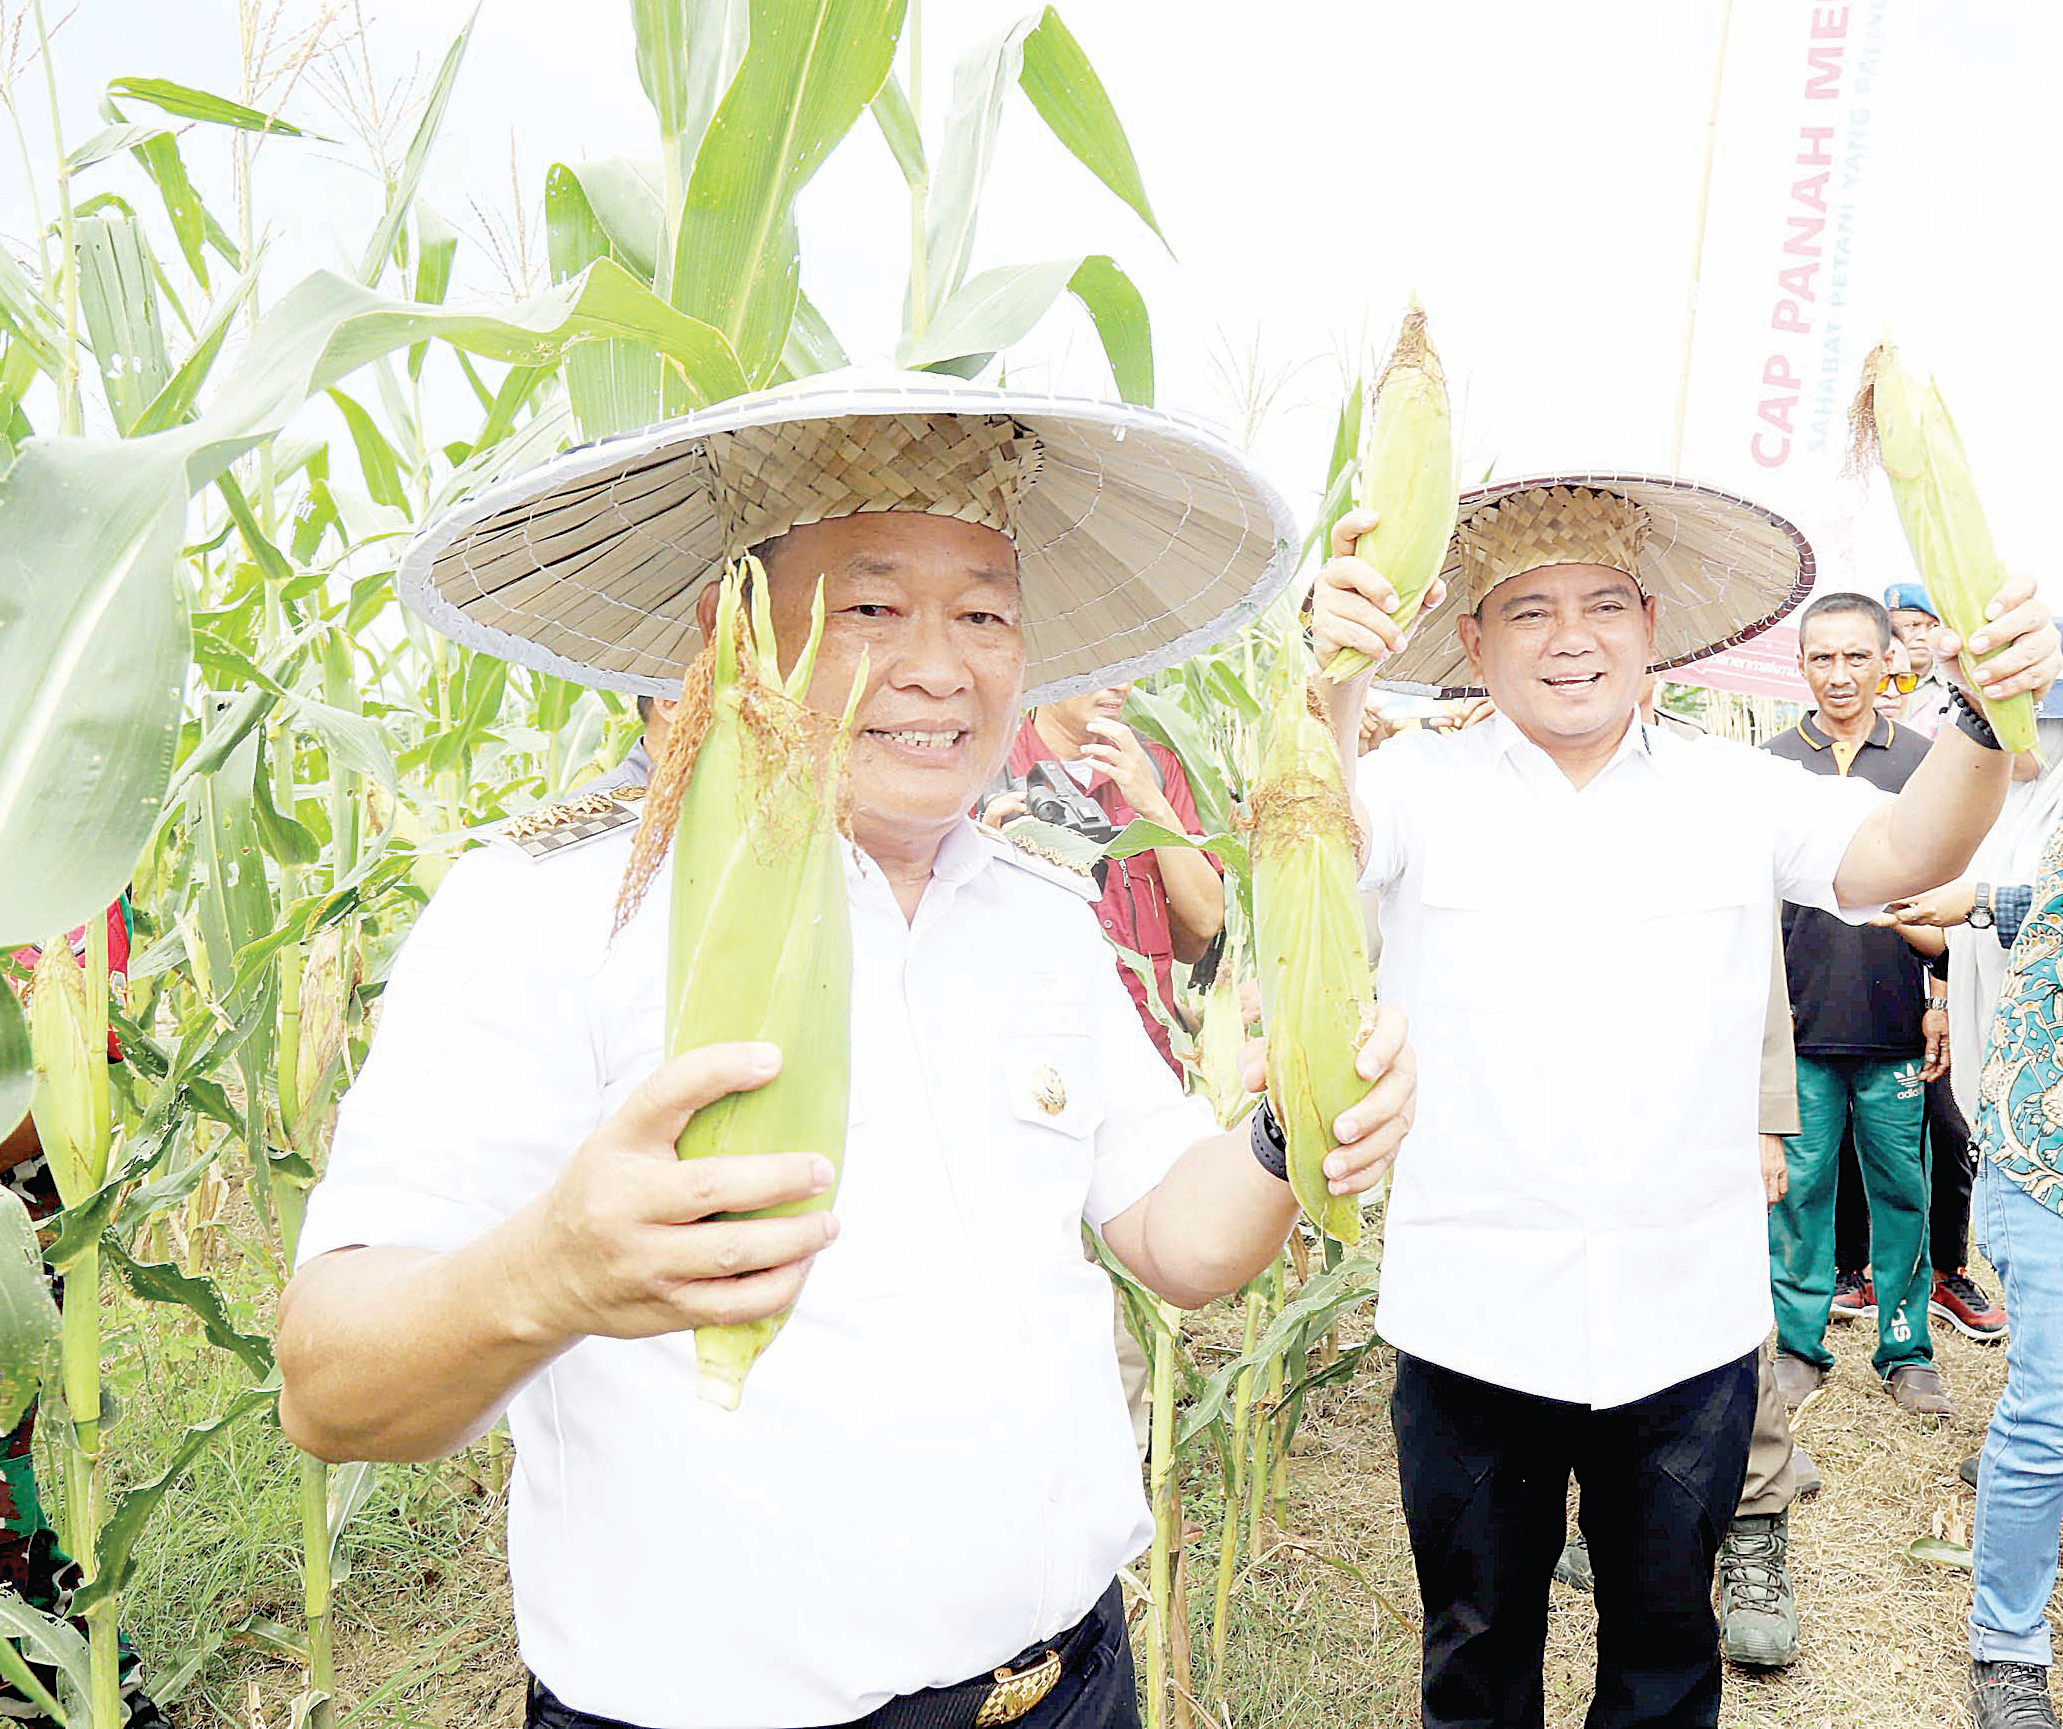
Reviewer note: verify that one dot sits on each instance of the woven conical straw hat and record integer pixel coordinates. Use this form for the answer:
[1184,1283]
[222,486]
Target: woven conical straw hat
[1720,568]
[1142,537]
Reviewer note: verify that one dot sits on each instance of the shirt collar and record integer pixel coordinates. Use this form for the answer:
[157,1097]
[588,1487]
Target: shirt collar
[962,856]
[1507,740]
[1879,734]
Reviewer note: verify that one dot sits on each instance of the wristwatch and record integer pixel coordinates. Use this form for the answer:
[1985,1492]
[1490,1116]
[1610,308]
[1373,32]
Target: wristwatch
[1980,918]
[1269,1143]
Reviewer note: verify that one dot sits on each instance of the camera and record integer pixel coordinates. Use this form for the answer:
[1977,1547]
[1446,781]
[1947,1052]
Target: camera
[1051,796]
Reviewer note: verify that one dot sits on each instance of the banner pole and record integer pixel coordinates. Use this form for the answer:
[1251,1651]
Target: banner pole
[1690,309]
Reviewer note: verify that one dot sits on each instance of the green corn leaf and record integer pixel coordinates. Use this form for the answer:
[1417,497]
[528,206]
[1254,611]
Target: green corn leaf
[115,1554]
[191,104]
[1122,326]
[1064,88]
[687,53]
[1166,722]
[1139,835]
[401,194]
[980,82]
[28,1315]
[53,1643]
[27,319]
[436,246]
[613,386]
[110,142]
[810,69]
[1934,1551]
[159,155]
[898,123]
[990,311]
[175,402]
[16,1073]
[159,1282]
[376,459]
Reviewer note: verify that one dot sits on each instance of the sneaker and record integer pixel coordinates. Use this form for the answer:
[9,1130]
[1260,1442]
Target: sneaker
[1573,1569]
[1959,1301]
[1917,1389]
[2011,1696]
[1967,1470]
[1796,1379]
[1758,1619]
[1855,1298]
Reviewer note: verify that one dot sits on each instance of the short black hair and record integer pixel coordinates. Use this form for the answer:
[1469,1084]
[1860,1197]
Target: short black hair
[645,710]
[1845,601]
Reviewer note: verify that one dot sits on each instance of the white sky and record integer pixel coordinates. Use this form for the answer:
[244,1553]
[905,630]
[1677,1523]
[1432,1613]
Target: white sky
[1529,170]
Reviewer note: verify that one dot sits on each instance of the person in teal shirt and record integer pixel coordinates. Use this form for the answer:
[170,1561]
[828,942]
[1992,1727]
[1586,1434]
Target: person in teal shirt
[2019,1220]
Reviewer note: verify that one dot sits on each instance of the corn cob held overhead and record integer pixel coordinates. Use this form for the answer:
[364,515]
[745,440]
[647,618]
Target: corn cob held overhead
[1309,943]
[1905,427]
[1407,479]
[748,792]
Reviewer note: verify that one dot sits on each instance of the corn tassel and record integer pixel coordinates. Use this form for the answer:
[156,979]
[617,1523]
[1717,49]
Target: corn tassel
[1311,947]
[1907,429]
[1407,479]
[760,943]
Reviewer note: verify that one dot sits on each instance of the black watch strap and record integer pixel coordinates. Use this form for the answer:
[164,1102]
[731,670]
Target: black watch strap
[1970,721]
[1270,1144]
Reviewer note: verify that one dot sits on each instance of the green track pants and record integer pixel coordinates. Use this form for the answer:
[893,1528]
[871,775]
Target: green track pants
[1887,1103]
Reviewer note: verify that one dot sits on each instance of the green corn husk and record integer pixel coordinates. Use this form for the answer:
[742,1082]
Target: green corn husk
[1219,1046]
[1407,478]
[69,1095]
[1310,946]
[1907,430]
[760,940]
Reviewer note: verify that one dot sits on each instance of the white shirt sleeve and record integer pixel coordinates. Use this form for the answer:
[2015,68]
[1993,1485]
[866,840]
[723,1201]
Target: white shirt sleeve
[1148,1120]
[1383,785]
[482,1077]
[1814,818]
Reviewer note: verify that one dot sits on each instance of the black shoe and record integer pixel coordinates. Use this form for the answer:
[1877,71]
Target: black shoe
[2011,1696]
[1967,1470]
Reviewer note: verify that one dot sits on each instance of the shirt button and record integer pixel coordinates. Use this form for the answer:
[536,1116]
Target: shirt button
[1055,1492]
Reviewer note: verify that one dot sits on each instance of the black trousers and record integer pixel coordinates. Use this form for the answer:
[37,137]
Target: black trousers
[1485,1474]
[1953,1169]
[1095,1689]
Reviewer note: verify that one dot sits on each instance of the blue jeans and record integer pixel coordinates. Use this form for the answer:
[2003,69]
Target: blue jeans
[2020,1476]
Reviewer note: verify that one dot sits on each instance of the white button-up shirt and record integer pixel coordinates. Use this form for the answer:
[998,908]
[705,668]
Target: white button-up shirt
[1578,1211]
[933,1466]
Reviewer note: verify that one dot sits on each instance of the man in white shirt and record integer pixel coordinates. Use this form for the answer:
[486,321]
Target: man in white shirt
[1576,1152]
[918,1514]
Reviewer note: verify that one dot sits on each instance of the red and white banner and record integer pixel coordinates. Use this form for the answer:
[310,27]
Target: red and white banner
[1766,665]
[1789,304]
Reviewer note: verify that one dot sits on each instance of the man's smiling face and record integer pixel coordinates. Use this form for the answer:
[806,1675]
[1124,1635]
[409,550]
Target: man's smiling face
[934,604]
[1562,650]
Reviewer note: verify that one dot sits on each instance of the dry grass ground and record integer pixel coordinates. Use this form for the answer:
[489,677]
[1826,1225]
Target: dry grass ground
[1320,1633]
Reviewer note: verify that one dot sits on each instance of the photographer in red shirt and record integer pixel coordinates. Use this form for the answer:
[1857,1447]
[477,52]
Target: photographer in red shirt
[1167,905]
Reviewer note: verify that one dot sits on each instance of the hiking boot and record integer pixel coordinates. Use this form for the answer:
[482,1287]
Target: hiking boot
[1796,1379]
[2010,1696]
[1967,1470]
[1573,1569]
[1917,1389]
[1758,1620]
[1855,1298]
[1805,1478]
[1961,1302]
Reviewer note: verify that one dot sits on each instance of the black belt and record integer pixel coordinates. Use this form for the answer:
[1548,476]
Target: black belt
[1005,1695]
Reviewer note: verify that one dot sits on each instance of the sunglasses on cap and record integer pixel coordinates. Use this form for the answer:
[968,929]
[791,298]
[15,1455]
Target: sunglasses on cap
[1905,683]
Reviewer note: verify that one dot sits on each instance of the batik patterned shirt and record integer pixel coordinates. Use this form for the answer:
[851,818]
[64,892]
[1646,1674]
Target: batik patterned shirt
[2020,1090]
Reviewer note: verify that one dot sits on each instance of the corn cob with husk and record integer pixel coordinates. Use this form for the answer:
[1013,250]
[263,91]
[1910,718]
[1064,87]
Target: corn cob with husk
[1906,428]
[1310,945]
[69,1097]
[760,940]
[1407,479]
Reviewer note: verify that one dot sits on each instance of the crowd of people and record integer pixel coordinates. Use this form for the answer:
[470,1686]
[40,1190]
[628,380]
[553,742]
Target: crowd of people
[918,1517]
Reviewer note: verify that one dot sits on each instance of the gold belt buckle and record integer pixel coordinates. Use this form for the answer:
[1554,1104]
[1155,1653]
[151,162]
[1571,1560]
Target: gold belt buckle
[1016,1692]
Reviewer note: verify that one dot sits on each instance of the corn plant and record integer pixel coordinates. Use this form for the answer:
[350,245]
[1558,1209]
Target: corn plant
[207,694]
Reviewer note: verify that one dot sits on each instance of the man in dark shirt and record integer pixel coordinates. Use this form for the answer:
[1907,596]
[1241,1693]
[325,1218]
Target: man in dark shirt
[1856,999]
